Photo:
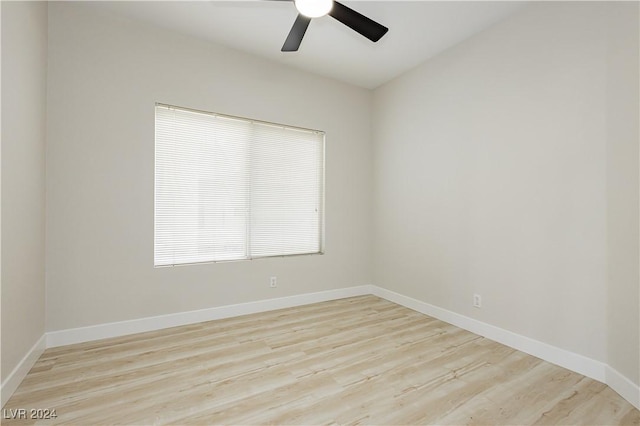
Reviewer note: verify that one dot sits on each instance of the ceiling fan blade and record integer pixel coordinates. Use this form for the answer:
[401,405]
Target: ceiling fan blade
[294,38]
[358,22]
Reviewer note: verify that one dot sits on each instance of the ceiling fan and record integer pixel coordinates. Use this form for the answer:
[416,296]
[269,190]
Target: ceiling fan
[308,9]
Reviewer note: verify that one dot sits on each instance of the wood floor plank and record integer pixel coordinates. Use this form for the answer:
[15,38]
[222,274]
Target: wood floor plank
[361,360]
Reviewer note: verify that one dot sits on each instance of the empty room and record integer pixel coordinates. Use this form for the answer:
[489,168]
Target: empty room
[320,212]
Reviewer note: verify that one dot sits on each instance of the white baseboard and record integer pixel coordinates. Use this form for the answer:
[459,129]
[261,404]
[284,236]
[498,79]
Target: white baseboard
[18,374]
[122,328]
[567,359]
[580,364]
[589,367]
[625,387]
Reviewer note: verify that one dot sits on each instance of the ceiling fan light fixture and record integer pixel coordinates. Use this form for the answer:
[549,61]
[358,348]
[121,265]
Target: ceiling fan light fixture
[314,8]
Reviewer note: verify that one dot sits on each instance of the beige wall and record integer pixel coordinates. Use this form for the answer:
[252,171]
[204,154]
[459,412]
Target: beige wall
[105,74]
[24,66]
[622,190]
[492,167]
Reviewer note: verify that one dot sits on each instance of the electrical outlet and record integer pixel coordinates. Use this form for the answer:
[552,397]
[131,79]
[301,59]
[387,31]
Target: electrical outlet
[273,282]
[477,301]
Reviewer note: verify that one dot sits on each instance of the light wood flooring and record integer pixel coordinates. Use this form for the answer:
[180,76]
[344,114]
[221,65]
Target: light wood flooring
[361,360]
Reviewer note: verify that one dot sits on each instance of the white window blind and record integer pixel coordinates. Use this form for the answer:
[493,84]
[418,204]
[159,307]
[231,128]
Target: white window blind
[228,188]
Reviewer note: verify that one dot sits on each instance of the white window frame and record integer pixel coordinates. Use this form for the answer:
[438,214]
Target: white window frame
[259,163]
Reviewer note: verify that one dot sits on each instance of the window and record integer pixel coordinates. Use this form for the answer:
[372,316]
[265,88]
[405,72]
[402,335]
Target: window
[228,188]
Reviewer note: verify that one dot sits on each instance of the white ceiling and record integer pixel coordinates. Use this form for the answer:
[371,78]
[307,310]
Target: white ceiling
[418,30]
